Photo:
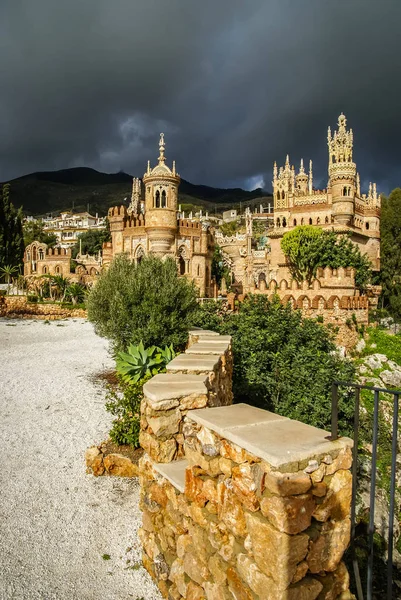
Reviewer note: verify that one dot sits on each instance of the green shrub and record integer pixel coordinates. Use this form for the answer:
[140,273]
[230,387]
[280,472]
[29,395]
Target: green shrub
[138,362]
[145,302]
[75,293]
[32,298]
[285,363]
[3,292]
[124,404]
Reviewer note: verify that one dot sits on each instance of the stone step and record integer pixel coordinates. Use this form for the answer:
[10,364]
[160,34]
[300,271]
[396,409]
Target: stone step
[203,332]
[194,362]
[206,347]
[166,386]
[174,472]
[214,339]
[278,440]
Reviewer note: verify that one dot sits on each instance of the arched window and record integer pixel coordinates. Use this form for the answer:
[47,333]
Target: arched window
[295,222]
[34,253]
[41,254]
[302,221]
[157,199]
[140,253]
[181,265]
[318,221]
[57,269]
[326,220]
[28,255]
[367,225]
[310,221]
[283,195]
[44,270]
[198,271]
[284,222]
[345,191]
[164,200]
[278,222]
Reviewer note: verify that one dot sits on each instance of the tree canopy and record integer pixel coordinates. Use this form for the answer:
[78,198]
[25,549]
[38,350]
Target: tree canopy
[145,302]
[11,236]
[91,241]
[34,231]
[390,273]
[307,248]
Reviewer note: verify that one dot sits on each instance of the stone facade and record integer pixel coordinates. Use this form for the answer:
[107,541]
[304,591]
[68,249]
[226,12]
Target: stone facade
[41,260]
[341,206]
[249,506]
[151,224]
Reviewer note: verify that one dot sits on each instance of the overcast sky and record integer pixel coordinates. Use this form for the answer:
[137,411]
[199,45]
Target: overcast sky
[234,85]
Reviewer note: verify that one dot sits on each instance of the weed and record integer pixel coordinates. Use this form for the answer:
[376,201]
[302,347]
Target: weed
[106,556]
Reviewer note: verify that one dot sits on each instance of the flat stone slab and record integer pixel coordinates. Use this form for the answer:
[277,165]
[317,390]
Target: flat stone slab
[219,419]
[174,472]
[278,440]
[166,386]
[204,332]
[214,339]
[206,347]
[193,362]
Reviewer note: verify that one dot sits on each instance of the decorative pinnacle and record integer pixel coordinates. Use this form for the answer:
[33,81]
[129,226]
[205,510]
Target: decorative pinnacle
[161,148]
[301,167]
[287,161]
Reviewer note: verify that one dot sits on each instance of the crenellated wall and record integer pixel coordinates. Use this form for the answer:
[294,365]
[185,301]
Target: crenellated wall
[250,506]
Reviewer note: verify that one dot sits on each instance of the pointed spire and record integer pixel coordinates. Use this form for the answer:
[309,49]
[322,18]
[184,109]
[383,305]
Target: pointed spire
[374,192]
[275,171]
[370,190]
[287,161]
[173,167]
[161,148]
[310,178]
[301,167]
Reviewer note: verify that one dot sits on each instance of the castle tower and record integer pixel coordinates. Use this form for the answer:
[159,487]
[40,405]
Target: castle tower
[342,172]
[161,190]
[136,197]
[301,180]
[283,184]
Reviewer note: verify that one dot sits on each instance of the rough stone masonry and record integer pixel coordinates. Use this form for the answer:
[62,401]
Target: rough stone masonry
[238,503]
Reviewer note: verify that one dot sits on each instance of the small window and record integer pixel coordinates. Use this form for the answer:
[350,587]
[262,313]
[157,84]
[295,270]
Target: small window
[367,225]
[295,222]
[198,271]
[157,199]
[164,201]
[284,222]
[310,221]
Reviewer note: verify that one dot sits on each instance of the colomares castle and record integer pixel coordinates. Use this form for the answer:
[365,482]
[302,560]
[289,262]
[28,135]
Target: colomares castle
[153,223]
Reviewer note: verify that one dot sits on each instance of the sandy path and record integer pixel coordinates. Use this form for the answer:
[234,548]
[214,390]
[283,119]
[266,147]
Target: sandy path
[56,522]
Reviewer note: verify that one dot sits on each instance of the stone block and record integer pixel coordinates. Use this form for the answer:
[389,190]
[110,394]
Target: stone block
[159,451]
[237,587]
[230,509]
[218,568]
[342,462]
[194,363]
[290,514]
[335,583]
[276,554]
[287,484]
[172,386]
[195,570]
[215,591]
[120,466]
[327,551]
[165,425]
[195,592]
[94,461]
[337,502]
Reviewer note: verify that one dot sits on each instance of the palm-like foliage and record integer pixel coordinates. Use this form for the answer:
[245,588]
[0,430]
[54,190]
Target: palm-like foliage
[76,292]
[138,362]
[6,272]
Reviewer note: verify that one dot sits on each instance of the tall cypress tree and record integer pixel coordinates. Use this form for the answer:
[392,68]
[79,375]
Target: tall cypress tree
[11,234]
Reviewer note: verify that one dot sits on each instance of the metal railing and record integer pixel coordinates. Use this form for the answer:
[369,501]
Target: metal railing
[371,525]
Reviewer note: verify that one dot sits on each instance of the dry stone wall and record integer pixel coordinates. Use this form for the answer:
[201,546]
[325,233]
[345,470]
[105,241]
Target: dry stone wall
[198,378]
[18,307]
[250,505]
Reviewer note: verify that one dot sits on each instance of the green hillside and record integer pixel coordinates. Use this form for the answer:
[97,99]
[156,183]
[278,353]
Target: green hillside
[77,188]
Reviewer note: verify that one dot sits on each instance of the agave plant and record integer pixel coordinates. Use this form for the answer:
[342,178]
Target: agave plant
[139,362]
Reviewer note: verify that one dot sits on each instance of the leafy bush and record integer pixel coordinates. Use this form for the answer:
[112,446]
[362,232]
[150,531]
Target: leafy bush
[285,363]
[32,298]
[145,302]
[124,404]
[138,362]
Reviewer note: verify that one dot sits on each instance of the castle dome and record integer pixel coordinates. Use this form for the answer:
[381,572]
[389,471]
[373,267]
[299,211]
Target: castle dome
[161,169]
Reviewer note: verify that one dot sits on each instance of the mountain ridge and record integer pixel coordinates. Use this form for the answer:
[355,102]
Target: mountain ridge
[44,192]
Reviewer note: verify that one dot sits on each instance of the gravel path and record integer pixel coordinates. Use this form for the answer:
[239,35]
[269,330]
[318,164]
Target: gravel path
[56,522]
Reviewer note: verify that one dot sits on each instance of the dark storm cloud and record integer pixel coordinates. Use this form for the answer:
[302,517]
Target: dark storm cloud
[233,84]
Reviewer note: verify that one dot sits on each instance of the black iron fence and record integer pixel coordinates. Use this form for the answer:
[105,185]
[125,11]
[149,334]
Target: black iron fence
[365,584]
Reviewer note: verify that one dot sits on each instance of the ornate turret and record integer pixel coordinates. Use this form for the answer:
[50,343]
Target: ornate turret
[136,197]
[302,179]
[161,190]
[342,172]
[283,183]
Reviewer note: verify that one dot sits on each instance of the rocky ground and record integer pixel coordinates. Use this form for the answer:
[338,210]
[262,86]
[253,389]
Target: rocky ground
[64,535]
